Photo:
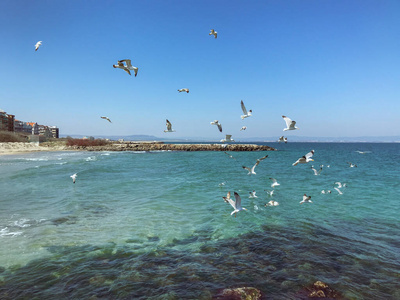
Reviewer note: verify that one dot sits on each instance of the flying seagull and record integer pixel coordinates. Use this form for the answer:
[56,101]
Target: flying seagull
[169,127]
[282,139]
[290,125]
[213,32]
[126,67]
[106,118]
[272,203]
[243,128]
[339,191]
[315,171]
[326,192]
[74,177]
[251,171]
[245,113]
[271,193]
[306,199]
[227,139]
[183,90]
[305,159]
[237,204]
[231,156]
[38,45]
[274,182]
[252,194]
[218,125]
[351,165]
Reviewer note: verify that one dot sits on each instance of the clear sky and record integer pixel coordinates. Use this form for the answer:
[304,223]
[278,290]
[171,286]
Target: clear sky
[333,66]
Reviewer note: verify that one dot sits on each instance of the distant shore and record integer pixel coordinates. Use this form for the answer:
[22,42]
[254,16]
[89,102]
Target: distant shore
[20,148]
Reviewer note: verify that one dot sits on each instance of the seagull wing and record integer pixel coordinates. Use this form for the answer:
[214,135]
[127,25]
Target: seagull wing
[309,154]
[262,158]
[238,202]
[243,107]
[127,71]
[255,165]
[169,125]
[292,124]
[229,200]
[288,121]
[127,61]
[121,63]
[228,136]
[219,127]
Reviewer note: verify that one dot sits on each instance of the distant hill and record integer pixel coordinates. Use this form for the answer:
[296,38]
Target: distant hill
[142,137]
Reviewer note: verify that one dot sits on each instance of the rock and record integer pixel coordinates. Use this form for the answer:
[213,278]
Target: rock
[319,289]
[243,293]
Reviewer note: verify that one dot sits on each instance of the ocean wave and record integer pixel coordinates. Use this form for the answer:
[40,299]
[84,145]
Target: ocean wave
[6,232]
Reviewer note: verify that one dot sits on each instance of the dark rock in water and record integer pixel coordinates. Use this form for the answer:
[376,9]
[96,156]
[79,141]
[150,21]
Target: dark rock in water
[153,238]
[2,269]
[319,289]
[62,220]
[243,293]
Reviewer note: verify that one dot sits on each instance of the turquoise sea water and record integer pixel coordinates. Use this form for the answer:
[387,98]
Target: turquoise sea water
[153,225]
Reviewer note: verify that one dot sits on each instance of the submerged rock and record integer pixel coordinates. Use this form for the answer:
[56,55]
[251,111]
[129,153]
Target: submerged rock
[243,293]
[320,289]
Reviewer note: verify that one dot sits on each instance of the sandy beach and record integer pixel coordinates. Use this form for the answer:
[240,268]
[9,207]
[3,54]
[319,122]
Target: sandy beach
[20,148]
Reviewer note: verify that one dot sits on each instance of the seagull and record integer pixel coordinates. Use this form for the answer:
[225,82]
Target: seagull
[305,159]
[282,139]
[243,128]
[274,182]
[251,171]
[38,45]
[231,156]
[218,125]
[315,171]
[169,127]
[74,177]
[245,113]
[213,32]
[339,184]
[252,194]
[270,192]
[339,191]
[183,90]
[222,183]
[272,203]
[227,139]
[126,67]
[326,192]
[290,125]
[306,199]
[237,204]
[351,165]
[106,118]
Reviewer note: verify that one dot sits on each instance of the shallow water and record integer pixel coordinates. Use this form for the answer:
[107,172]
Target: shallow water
[152,225]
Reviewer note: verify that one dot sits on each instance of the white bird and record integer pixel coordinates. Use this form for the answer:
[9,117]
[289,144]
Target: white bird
[227,139]
[306,199]
[106,118]
[339,191]
[222,183]
[351,165]
[282,139]
[37,45]
[326,192]
[339,184]
[218,125]
[243,128]
[213,32]
[74,177]
[305,159]
[270,193]
[245,113]
[253,194]
[169,127]
[272,203]
[237,204]
[251,171]
[231,156]
[274,182]
[126,67]
[363,152]
[315,171]
[290,125]
[183,90]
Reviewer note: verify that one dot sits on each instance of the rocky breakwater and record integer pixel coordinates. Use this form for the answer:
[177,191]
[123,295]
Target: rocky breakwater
[157,146]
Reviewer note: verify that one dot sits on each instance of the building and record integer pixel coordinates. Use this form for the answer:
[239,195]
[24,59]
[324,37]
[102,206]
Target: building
[54,131]
[6,121]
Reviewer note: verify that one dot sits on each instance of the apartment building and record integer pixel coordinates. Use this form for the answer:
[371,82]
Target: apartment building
[9,123]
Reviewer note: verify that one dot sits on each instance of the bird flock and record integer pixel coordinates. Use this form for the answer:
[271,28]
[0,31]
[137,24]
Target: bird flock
[126,65]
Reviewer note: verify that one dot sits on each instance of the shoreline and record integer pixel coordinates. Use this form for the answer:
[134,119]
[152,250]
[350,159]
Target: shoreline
[23,148]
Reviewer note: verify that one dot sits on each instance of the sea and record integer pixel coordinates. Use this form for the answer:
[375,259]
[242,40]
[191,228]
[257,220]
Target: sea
[154,225]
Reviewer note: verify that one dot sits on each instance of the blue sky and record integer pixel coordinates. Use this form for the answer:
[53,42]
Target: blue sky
[332,66]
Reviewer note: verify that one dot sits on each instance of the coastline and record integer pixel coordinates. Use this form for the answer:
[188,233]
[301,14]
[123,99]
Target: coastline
[21,148]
